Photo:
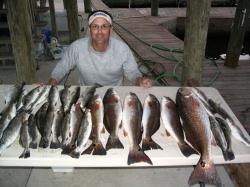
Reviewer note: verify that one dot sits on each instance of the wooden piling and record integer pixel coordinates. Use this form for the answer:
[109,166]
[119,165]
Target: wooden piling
[237,33]
[21,38]
[72,17]
[53,18]
[195,41]
[154,7]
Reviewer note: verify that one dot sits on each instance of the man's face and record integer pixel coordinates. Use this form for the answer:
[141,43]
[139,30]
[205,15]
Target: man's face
[100,30]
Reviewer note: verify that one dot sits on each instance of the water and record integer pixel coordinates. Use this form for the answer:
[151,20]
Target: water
[217,44]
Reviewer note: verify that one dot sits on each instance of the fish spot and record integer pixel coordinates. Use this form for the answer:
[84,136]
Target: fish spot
[203,164]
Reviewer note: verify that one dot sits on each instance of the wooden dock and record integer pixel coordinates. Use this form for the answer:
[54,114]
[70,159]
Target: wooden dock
[140,31]
[233,84]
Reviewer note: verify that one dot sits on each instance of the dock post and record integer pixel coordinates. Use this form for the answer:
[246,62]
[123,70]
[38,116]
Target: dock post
[72,17]
[237,33]
[87,6]
[196,29]
[53,18]
[21,38]
[154,7]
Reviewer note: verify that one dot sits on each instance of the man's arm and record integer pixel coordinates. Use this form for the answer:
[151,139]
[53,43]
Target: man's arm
[67,62]
[52,82]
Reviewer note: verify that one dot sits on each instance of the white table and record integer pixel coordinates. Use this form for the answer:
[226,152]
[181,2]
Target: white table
[169,156]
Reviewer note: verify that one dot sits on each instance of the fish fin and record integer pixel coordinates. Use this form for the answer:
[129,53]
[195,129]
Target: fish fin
[99,149]
[150,144]
[135,156]
[55,144]
[25,154]
[125,133]
[103,130]
[33,145]
[114,142]
[74,154]
[88,150]
[44,142]
[167,133]
[186,149]
[205,172]
[213,140]
[228,155]
[68,149]
[120,126]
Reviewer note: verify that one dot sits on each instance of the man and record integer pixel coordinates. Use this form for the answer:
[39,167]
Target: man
[100,58]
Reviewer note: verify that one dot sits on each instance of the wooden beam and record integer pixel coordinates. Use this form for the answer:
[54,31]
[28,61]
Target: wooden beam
[72,17]
[87,6]
[154,7]
[53,18]
[21,39]
[237,33]
[195,41]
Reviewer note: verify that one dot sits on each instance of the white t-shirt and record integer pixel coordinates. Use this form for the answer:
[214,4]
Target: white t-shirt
[105,68]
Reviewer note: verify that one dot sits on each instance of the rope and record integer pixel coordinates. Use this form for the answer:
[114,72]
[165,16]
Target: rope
[172,57]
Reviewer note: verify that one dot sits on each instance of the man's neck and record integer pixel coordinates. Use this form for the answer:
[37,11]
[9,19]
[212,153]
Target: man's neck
[100,47]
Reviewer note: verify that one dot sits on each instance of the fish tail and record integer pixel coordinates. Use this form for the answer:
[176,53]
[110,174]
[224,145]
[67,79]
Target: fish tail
[205,172]
[228,155]
[114,142]
[135,156]
[74,154]
[88,150]
[33,145]
[150,144]
[186,149]
[68,149]
[55,144]
[44,142]
[99,149]
[95,149]
[25,154]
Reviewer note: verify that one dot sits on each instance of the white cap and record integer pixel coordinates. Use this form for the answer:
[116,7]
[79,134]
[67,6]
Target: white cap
[100,14]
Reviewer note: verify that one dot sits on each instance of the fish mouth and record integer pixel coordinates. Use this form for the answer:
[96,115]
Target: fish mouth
[186,92]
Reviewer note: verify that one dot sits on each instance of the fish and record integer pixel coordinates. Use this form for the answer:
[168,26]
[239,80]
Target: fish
[112,118]
[40,117]
[83,135]
[14,93]
[96,108]
[227,133]
[235,129]
[33,131]
[66,129]
[19,103]
[12,131]
[76,116]
[196,126]
[69,95]
[86,96]
[150,122]
[219,136]
[131,120]
[8,114]
[34,97]
[171,120]
[24,139]
[53,100]
[56,128]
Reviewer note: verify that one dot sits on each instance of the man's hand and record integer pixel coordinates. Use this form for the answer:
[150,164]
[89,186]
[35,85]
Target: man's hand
[52,82]
[144,82]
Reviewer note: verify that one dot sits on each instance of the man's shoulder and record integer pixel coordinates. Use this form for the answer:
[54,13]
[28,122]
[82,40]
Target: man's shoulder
[80,42]
[118,43]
